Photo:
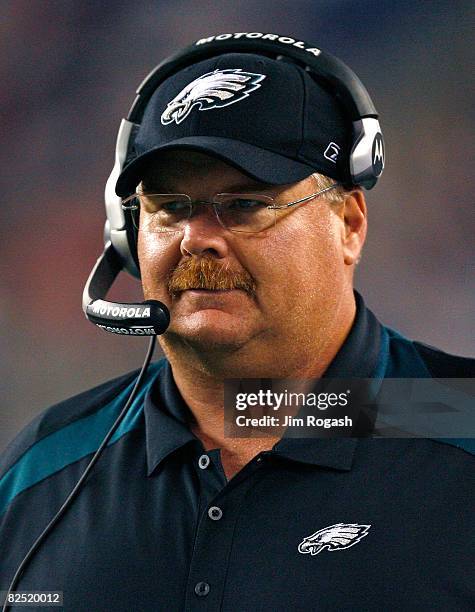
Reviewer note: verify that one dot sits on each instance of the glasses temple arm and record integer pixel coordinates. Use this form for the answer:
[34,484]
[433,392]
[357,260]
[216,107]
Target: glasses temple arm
[306,198]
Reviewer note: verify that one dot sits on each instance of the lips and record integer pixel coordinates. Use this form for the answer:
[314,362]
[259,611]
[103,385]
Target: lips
[210,290]
[199,291]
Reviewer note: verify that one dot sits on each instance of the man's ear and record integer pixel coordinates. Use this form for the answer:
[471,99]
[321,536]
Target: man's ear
[355,223]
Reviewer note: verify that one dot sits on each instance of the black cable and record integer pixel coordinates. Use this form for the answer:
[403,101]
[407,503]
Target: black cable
[84,475]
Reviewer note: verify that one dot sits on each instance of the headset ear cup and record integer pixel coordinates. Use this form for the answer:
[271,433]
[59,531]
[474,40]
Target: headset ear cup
[367,153]
[119,226]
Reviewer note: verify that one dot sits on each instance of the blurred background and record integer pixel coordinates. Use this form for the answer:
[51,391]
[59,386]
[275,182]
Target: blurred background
[69,71]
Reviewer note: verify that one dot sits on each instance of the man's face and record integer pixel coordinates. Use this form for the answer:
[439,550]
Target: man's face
[295,268]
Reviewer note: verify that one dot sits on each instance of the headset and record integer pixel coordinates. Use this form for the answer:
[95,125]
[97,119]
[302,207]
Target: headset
[151,318]
[366,163]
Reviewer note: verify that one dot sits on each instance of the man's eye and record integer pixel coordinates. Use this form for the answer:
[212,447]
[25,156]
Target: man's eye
[246,205]
[174,207]
[164,204]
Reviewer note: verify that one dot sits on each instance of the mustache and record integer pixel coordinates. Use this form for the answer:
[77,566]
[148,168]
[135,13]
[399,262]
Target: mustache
[208,273]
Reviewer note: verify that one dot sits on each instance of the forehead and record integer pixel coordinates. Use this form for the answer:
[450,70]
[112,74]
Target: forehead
[182,169]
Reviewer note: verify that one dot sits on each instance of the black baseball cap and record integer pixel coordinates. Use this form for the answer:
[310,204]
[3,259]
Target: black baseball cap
[269,118]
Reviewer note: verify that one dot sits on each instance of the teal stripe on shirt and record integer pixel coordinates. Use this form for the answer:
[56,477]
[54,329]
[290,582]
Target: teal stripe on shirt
[73,442]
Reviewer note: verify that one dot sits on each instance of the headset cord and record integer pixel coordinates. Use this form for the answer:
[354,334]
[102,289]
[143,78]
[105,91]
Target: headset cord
[80,482]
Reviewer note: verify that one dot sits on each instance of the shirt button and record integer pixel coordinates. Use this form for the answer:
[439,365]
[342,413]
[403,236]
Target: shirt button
[215,513]
[201,589]
[203,462]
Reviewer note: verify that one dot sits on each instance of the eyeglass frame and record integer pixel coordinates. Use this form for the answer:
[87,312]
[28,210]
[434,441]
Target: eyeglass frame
[193,203]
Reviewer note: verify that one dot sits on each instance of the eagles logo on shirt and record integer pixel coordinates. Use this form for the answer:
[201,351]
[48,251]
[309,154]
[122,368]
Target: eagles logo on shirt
[212,90]
[334,537]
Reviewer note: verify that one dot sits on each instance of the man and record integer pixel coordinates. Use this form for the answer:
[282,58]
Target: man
[242,326]
[253,252]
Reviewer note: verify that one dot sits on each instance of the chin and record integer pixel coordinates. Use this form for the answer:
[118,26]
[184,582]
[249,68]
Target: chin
[211,329]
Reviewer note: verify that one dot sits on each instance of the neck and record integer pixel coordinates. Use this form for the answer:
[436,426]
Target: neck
[200,374]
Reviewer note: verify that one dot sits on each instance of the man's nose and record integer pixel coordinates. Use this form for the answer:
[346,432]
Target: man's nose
[203,233]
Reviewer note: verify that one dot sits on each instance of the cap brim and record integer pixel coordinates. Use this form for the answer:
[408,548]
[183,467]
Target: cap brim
[260,164]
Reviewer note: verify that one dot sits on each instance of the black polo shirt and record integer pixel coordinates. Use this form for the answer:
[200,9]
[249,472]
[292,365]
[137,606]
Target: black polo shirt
[313,524]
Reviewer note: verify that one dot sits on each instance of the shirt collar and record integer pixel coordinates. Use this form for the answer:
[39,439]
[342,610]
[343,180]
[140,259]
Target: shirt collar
[166,418]
[359,355]
[362,355]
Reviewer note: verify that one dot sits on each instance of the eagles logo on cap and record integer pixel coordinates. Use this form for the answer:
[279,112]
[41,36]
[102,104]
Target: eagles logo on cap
[212,90]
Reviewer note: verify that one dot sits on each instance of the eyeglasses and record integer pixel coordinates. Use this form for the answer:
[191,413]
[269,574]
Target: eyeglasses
[238,212]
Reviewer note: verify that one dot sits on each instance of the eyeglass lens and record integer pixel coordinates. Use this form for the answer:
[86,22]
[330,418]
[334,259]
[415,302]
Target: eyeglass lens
[236,212]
